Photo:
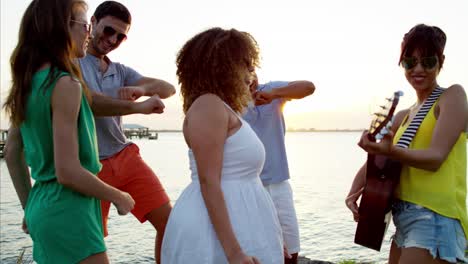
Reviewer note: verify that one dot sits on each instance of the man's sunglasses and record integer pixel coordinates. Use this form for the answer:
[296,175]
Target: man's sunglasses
[88,27]
[110,31]
[428,63]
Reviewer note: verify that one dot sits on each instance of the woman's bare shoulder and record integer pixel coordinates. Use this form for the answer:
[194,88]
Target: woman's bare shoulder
[455,90]
[206,104]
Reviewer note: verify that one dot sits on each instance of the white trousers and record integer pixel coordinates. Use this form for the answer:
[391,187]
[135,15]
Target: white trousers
[281,194]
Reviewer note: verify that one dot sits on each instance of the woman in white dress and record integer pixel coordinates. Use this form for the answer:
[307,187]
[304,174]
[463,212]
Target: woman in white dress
[224,215]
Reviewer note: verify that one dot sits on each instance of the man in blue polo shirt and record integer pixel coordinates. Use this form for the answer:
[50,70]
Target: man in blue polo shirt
[122,165]
[265,117]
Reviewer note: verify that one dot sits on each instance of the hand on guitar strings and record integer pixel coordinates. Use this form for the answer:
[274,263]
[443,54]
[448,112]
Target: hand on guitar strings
[383,147]
[351,203]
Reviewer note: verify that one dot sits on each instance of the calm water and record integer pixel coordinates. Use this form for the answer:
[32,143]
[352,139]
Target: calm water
[322,167]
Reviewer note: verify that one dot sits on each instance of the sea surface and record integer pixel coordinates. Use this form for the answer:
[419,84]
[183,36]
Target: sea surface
[322,167]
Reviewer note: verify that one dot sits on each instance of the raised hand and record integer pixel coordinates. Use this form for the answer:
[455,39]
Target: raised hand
[124,204]
[263,97]
[131,92]
[152,105]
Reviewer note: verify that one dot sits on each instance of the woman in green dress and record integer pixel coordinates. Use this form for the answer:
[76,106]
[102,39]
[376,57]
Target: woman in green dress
[52,120]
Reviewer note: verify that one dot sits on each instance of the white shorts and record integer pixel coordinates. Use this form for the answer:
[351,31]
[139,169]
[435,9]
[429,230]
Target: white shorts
[281,194]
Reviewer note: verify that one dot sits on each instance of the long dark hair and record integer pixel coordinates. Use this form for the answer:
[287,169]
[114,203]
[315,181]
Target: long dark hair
[44,37]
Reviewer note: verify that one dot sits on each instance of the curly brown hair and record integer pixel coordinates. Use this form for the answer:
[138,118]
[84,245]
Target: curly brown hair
[214,61]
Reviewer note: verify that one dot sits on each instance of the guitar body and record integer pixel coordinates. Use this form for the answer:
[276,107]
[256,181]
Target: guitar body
[382,176]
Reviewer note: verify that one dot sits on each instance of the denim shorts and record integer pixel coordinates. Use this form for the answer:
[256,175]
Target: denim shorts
[417,226]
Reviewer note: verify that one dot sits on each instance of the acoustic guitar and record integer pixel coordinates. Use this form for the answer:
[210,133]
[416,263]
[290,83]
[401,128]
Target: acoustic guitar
[382,176]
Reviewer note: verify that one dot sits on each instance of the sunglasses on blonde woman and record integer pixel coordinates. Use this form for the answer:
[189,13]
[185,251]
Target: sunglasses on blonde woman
[88,27]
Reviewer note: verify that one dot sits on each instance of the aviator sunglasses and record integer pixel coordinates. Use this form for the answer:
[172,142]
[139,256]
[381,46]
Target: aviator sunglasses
[88,27]
[428,63]
[110,31]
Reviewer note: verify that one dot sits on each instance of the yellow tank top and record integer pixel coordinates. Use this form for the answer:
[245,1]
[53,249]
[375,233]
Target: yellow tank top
[442,191]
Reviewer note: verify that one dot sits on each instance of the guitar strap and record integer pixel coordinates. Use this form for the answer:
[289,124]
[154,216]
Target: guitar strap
[410,132]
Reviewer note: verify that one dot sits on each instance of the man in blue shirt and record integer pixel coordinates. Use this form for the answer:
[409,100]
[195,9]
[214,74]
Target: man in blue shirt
[266,118]
[123,166]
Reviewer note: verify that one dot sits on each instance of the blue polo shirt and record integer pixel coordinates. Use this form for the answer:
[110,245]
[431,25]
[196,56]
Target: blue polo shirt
[110,135]
[268,123]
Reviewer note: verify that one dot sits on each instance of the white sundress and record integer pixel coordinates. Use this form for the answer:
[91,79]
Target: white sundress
[189,235]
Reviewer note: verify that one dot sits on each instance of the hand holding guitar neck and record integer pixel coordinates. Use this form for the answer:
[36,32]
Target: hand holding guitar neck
[382,121]
[383,145]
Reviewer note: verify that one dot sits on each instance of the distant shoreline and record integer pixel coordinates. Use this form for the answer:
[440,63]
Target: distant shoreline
[289,130]
[325,130]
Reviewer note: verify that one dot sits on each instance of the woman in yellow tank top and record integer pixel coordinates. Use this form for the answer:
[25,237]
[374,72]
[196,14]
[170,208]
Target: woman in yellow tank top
[430,212]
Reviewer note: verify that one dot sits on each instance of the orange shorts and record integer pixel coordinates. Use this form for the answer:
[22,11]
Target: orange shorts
[128,172]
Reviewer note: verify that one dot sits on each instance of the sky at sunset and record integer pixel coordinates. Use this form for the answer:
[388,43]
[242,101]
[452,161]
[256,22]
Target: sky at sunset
[348,49]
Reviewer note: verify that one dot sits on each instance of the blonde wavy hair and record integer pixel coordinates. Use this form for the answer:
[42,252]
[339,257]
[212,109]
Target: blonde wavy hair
[214,61]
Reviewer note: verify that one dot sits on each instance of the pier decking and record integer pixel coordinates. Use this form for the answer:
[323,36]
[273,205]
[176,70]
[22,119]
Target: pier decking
[130,130]
[3,137]
[138,131]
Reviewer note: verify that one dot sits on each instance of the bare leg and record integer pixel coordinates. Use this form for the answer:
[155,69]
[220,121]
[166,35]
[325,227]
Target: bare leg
[415,255]
[395,253]
[99,258]
[158,218]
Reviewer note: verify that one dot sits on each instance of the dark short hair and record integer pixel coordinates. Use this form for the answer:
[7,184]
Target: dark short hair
[428,40]
[115,9]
